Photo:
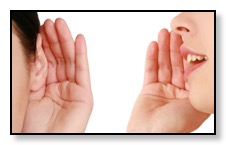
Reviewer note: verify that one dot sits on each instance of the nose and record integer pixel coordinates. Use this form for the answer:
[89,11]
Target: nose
[182,25]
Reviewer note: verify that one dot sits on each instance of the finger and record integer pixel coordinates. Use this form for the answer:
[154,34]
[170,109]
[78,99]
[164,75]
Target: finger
[52,64]
[185,67]
[176,60]
[151,64]
[56,49]
[67,46]
[81,62]
[164,64]
[45,43]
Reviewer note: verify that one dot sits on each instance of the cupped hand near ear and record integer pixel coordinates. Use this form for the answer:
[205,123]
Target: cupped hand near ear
[163,105]
[63,103]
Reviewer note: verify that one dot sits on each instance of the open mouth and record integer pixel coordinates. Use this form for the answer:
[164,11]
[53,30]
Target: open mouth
[194,61]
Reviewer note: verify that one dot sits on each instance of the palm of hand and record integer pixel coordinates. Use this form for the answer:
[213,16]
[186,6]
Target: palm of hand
[163,109]
[60,110]
[64,103]
[163,104]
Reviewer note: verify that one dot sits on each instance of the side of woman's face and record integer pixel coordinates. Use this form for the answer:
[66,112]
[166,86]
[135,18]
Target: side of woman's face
[197,30]
[20,84]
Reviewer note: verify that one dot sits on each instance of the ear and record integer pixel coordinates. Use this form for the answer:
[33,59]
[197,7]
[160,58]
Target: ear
[39,69]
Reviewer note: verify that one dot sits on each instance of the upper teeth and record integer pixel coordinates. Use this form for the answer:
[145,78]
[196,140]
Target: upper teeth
[191,57]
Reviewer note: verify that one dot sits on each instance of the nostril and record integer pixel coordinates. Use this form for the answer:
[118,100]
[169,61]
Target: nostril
[183,29]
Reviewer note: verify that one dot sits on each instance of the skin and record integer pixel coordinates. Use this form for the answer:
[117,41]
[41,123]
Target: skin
[60,97]
[20,85]
[199,25]
[54,85]
[165,103]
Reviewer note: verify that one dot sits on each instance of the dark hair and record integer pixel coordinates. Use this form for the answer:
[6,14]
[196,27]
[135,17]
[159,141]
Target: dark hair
[26,26]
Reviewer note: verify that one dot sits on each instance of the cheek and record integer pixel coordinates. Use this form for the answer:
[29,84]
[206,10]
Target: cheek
[20,92]
[202,89]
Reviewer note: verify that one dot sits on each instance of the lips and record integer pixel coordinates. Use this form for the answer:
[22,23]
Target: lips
[193,59]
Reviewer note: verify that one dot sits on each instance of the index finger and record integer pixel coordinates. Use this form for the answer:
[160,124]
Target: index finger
[67,46]
[176,60]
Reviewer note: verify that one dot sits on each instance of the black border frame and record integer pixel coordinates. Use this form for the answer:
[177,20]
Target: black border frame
[11,132]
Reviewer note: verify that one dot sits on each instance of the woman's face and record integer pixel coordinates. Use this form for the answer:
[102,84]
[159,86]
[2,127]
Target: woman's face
[197,30]
[20,84]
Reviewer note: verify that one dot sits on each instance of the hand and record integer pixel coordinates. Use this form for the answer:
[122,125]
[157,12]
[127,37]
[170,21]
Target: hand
[163,105]
[65,104]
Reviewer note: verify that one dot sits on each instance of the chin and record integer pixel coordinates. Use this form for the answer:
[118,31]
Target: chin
[201,90]
[203,102]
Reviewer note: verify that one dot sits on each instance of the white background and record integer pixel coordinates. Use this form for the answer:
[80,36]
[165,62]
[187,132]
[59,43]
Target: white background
[116,48]
[117,44]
